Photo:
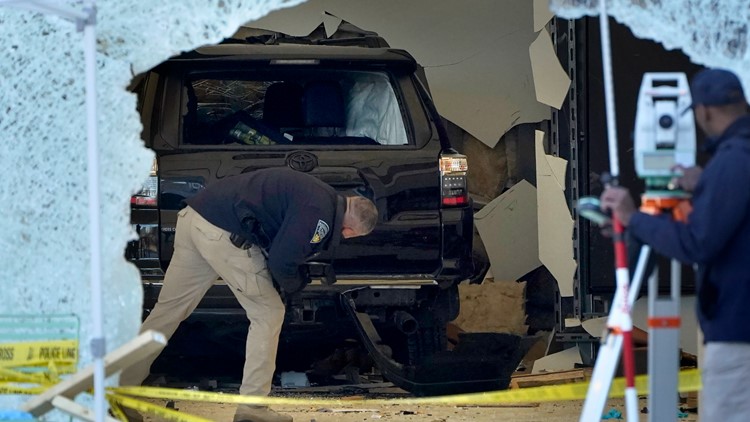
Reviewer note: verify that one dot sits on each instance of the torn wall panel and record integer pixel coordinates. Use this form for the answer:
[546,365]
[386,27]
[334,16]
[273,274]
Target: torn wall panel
[508,228]
[551,83]
[476,58]
[561,361]
[542,14]
[554,220]
[596,327]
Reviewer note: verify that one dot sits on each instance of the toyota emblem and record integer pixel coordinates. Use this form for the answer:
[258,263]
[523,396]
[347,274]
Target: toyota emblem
[302,161]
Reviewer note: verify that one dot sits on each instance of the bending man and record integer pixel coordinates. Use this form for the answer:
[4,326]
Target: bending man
[225,231]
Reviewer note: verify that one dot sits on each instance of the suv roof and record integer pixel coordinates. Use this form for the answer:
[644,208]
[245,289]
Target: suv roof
[319,53]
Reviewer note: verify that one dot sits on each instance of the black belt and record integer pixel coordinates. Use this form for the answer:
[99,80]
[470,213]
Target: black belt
[240,242]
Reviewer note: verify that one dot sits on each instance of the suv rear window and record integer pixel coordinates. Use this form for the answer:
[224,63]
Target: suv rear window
[327,107]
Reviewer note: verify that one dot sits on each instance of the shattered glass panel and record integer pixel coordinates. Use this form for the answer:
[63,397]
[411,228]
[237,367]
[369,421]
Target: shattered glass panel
[44,217]
[712,33]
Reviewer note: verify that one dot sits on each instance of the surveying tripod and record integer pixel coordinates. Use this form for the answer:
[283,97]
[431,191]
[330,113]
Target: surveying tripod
[664,137]
[663,326]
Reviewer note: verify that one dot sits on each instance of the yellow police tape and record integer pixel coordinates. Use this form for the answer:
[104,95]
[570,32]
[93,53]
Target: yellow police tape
[34,353]
[117,400]
[33,366]
[689,380]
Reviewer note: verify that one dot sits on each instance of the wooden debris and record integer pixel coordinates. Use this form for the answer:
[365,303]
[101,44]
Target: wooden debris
[691,400]
[551,378]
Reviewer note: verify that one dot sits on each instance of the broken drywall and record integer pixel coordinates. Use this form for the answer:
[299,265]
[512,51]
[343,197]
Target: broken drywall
[560,361]
[43,220]
[508,228]
[542,14]
[551,83]
[712,33]
[555,223]
[596,327]
[476,58]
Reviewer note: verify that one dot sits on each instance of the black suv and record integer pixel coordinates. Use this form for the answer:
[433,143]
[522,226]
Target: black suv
[358,118]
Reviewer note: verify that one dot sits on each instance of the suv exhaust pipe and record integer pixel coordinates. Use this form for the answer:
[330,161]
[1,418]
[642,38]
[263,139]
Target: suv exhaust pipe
[405,322]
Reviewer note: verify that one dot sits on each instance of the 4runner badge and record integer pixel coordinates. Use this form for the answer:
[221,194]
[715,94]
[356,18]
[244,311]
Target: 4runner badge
[320,232]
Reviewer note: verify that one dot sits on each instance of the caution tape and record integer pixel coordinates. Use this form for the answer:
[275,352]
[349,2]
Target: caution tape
[33,366]
[153,409]
[35,353]
[13,388]
[119,397]
[689,380]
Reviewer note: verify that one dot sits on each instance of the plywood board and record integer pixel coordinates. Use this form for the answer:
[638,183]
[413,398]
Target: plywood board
[508,228]
[555,224]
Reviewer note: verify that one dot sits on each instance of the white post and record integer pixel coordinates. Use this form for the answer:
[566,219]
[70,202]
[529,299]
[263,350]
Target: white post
[98,344]
[86,22]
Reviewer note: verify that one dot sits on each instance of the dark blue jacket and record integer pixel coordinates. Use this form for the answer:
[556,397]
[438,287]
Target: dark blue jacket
[716,236]
[292,215]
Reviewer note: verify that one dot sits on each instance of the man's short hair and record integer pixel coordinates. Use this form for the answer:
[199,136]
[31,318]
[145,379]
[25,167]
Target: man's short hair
[364,211]
[716,87]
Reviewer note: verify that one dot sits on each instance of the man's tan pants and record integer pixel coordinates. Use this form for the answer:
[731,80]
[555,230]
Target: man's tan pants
[202,253]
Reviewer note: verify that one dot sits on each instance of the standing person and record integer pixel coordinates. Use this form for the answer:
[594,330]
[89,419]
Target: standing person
[716,236]
[225,232]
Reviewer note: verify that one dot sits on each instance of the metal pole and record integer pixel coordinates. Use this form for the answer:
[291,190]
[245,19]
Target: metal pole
[625,323]
[98,345]
[609,91]
[86,22]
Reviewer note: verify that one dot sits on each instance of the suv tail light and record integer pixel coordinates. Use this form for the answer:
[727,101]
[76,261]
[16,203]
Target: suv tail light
[453,168]
[147,196]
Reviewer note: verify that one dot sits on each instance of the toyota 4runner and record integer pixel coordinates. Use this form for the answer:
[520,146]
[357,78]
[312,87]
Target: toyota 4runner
[362,120]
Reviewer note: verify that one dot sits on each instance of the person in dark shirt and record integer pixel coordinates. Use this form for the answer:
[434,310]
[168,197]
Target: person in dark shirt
[226,231]
[716,237]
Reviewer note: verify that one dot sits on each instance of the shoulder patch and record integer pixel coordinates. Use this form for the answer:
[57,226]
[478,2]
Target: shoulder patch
[320,232]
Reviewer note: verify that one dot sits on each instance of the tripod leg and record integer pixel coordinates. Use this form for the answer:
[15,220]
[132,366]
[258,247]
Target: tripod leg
[609,351]
[663,347]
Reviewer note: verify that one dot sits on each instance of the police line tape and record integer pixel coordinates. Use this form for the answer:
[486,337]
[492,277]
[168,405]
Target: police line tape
[689,380]
[117,400]
[33,366]
[35,353]
[53,358]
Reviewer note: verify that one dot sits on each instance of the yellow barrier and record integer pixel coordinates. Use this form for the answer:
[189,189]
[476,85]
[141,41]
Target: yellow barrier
[35,353]
[35,362]
[116,400]
[59,357]
[689,380]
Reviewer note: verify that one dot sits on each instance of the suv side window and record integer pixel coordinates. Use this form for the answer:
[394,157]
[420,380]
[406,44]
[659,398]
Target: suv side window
[318,107]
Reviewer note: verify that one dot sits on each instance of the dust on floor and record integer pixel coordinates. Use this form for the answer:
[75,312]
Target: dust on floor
[541,412]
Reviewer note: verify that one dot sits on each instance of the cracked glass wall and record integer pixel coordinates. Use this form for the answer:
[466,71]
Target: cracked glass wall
[44,238]
[712,33]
